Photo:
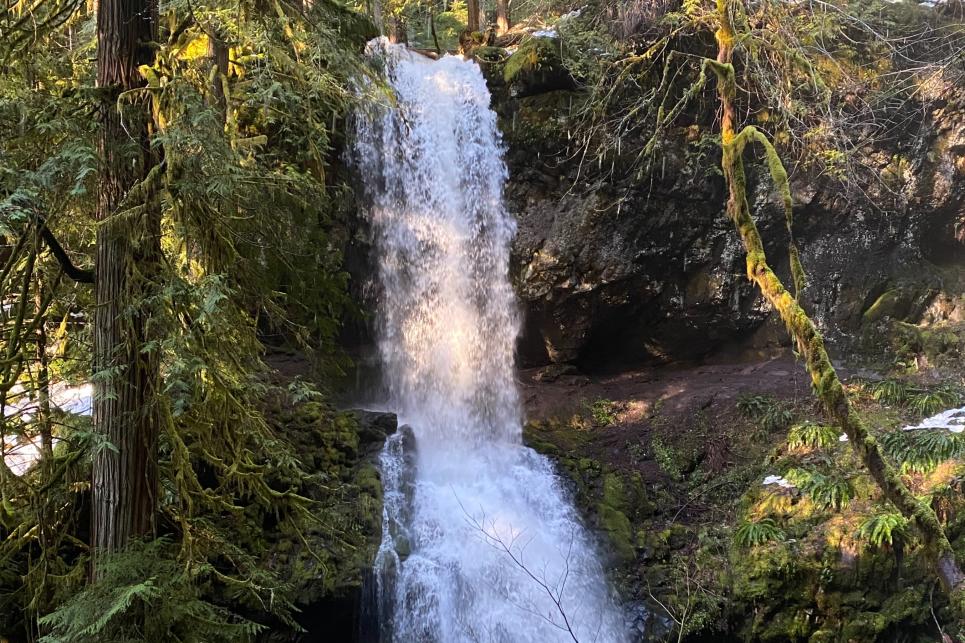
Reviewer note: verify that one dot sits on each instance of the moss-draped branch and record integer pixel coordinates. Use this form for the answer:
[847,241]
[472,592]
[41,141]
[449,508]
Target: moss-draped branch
[810,344]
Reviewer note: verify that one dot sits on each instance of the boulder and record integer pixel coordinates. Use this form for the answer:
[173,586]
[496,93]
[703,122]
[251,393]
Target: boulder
[535,67]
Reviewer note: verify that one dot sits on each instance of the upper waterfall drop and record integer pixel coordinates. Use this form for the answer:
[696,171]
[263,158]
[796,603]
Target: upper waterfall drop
[480,541]
[434,177]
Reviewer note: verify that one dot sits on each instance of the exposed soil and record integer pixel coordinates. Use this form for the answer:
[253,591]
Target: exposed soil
[696,403]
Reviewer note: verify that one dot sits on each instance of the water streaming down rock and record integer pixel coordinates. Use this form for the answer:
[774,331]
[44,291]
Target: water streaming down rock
[480,542]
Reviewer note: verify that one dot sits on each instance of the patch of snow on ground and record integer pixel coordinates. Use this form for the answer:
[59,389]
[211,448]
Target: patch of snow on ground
[952,420]
[780,481]
[22,452]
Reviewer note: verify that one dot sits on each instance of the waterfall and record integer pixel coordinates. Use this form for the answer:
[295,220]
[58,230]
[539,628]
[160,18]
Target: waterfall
[480,540]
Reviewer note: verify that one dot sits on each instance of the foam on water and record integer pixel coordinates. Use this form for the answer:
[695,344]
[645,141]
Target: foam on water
[480,541]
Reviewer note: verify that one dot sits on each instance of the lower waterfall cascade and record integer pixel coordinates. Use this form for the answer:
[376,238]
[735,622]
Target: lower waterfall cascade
[480,539]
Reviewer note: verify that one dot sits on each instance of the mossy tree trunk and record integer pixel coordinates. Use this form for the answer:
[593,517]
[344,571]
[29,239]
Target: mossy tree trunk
[218,72]
[125,476]
[810,344]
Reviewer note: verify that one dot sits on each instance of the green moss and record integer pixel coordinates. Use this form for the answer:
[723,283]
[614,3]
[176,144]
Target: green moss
[612,516]
[536,67]
[613,494]
[617,527]
[889,304]
[331,556]
[530,56]
[589,467]
[938,344]
[354,26]
[368,480]
[487,54]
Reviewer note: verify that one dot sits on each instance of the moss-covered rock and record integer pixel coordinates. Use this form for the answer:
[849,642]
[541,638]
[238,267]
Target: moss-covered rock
[491,61]
[327,560]
[937,344]
[612,517]
[536,67]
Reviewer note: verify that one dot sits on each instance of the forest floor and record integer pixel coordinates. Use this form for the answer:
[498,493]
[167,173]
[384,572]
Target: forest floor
[640,404]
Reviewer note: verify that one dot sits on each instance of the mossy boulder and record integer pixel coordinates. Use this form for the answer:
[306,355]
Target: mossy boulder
[612,517]
[937,344]
[327,560]
[900,303]
[536,67]
[491,61]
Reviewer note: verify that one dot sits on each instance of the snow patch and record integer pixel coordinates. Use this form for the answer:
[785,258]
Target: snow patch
[780,481]
[952,420]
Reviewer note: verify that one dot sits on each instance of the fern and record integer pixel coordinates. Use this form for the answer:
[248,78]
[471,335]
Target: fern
[754,406]
[827,491]
[932,401]
[811,435]
[883,529]
[753,533]
[890,392]
[922,450]
[770,414]
[144,594]
[923,401]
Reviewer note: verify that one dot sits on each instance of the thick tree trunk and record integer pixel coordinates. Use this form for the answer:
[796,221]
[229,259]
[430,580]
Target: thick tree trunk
[503,21]
[125,478]
[472,9]
[809,342]
[432,30]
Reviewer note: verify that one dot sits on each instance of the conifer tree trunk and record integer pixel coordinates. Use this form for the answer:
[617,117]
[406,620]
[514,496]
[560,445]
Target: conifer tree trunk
[472,20]
[218,56]
[810,344]
[43,379]
[503,21]
[399,32]
[125,478]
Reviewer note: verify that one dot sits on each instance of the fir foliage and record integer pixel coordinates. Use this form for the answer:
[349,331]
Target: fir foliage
[253,222]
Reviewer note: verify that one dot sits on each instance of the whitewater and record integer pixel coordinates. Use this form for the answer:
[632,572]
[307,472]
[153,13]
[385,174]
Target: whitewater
[480,540]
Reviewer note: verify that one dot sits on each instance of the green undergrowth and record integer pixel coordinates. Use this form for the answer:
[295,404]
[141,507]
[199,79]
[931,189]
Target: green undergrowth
[248,572]
[717,555]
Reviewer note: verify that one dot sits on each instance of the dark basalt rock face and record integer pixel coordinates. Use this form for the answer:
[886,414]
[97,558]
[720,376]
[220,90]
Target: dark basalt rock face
[622,270]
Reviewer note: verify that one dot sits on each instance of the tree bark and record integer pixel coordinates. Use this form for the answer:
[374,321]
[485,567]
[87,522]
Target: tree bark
[399,33]
[43,379]
[472,19]
[810,344]
[503,21]
[125,478]
[375,9]
[218,56]
[432,30]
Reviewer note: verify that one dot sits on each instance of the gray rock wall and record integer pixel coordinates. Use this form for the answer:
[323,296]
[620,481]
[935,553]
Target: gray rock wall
[613,270]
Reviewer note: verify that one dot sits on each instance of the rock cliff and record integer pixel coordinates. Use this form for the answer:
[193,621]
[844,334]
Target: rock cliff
[611,267]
